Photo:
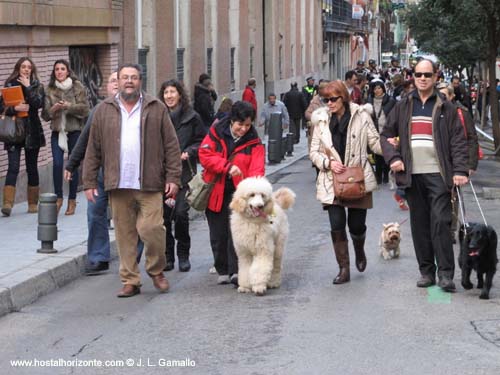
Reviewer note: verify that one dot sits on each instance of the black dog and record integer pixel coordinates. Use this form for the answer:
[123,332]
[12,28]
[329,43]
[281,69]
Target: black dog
[478,251]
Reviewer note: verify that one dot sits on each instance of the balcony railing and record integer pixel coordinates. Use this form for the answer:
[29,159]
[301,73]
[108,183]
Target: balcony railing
[340,19]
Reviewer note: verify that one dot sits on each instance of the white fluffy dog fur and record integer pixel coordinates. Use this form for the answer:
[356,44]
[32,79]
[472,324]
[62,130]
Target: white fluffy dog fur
[259,227]
[389,241]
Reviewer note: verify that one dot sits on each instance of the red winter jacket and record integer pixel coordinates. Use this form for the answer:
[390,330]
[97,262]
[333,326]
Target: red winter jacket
[248,155]
[249,96]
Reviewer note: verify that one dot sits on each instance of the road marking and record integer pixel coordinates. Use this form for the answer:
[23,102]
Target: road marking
[436,295]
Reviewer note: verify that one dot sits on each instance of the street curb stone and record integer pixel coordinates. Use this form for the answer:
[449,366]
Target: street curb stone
[491,193]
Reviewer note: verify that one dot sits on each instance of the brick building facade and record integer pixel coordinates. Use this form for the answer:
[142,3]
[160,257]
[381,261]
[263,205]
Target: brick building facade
[87,33]
[275,41]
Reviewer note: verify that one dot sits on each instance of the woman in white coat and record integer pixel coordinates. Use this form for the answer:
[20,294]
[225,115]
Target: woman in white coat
[342,133]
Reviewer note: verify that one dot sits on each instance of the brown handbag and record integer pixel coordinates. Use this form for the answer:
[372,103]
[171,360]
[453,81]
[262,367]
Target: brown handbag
[349,185]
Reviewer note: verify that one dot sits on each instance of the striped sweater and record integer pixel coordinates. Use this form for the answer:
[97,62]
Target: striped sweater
[422,142]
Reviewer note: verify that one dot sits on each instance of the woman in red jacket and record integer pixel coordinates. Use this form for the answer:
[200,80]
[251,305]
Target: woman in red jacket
[230,152]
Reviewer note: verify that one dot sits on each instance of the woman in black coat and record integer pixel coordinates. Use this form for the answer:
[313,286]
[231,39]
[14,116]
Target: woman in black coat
[382,106]
[190,132]
[24,75]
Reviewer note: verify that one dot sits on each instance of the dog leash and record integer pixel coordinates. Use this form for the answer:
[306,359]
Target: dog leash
[462,206]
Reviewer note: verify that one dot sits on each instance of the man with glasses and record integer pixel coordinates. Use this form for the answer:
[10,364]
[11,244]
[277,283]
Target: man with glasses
[134,141]
[428,162]
[351,80]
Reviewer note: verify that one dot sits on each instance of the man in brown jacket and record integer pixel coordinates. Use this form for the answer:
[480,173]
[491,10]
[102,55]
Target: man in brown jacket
[134,141]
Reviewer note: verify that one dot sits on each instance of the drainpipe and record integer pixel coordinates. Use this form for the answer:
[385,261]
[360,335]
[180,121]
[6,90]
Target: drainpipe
[264,46]
[139,24]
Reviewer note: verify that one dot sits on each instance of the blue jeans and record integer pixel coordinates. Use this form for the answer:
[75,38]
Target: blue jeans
[98,240]
[58,164]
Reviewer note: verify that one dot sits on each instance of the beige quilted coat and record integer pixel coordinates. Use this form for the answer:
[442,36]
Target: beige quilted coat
[361,132]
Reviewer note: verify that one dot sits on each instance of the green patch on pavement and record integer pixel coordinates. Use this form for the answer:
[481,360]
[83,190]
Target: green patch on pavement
[436,295]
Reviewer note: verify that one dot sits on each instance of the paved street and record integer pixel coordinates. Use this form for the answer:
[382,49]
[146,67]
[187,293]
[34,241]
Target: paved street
[379,323]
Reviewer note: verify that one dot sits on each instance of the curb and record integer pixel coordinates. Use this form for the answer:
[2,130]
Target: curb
[24,286]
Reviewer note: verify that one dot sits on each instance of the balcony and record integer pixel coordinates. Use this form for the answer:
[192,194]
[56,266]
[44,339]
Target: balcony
[339,19]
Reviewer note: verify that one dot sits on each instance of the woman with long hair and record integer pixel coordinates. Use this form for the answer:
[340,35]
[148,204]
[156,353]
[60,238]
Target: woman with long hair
[190,132]
[24,75]
[66,107]
[342,134]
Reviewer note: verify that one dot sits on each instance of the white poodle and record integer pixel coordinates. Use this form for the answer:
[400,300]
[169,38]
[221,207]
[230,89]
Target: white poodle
[259,227]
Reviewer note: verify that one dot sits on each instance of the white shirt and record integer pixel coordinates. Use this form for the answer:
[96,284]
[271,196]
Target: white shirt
[130,146]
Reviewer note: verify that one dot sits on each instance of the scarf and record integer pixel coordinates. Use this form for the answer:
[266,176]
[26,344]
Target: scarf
[62,140]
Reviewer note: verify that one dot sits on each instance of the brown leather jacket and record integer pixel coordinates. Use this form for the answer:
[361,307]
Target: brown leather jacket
[160,152]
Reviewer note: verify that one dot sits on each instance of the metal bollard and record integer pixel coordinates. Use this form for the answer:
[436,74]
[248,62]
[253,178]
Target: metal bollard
[47,223]
[109,216]
[290,138]
[273,151]
[275,134]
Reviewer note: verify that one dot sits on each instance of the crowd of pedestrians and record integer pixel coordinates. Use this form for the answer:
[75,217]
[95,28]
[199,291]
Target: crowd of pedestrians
[394,123]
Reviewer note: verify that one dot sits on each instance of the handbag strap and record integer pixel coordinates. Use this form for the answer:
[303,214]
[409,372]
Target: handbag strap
[190,167]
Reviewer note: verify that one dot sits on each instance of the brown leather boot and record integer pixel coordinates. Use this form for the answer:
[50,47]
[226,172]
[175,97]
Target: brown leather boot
[358,242]
[340,246]
[59,204]
[9,194]
[71,207]
[33,194]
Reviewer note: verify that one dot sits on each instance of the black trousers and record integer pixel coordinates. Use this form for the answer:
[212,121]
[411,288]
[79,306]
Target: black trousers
[381,170]
[31,160]
[356,219]
[295,128]
[430,217]
[179,214]
[225,259]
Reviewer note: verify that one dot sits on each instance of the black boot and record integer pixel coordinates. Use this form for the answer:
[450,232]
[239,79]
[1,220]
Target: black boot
[358,241]
[184,265]
[339,239]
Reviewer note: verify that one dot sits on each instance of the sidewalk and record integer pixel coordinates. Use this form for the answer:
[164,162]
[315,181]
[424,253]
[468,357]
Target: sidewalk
[26,275]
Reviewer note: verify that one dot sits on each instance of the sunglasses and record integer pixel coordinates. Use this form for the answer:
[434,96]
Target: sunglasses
[426,74]
[333,99]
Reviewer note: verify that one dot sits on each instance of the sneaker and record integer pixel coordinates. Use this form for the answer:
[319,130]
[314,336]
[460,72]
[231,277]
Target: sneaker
[234,279]
[426,281]
[447,284]
[223,279]
[212,270]
[98,268]
[401,202]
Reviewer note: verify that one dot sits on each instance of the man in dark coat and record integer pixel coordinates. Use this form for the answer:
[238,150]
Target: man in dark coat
[428,163]
[296,105]
[204,99]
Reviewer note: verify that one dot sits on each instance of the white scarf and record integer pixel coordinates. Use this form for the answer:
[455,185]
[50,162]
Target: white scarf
[62,141]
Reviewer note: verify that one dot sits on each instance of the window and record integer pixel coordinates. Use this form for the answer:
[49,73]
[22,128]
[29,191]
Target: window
[143,53]
[180,64]
[233,83]
[209,61]
[251,61]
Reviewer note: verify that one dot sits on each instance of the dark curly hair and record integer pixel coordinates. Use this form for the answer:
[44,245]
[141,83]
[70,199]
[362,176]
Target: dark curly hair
[179,86]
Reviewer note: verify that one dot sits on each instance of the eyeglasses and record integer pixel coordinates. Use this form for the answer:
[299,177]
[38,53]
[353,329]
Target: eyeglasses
[333,99]
[426,74]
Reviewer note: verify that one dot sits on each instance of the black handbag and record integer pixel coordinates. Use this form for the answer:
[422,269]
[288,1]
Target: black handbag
[12,129]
